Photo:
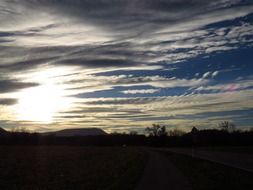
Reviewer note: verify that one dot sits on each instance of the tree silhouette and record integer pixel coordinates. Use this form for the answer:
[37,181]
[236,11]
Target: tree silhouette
[156,130]
[226,126]
[133,133]
[176,132]
[20,130]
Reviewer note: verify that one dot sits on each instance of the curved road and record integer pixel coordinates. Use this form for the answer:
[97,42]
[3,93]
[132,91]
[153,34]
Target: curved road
[235,160]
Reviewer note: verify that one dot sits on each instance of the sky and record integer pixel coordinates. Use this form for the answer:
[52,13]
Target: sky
[122,65]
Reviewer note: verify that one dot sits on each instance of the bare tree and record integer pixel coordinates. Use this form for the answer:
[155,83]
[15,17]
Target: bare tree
[176,132]
[156,130]
[226,126]
[20,130]
[133,133]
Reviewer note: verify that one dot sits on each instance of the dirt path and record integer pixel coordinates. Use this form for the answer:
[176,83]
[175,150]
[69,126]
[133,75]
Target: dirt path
[161,174]
[236,160]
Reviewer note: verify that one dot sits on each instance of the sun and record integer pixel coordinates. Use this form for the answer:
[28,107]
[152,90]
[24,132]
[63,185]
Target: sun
[41,103]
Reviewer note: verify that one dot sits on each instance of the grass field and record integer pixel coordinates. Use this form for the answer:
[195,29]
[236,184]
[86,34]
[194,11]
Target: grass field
[65,167]
[205,175]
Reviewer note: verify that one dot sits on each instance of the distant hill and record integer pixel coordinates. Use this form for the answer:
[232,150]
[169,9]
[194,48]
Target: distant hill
[2,131]
[77,132]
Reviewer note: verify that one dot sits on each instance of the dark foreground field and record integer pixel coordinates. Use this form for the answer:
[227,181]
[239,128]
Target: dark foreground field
[116,168]
[66,167]
[206,175]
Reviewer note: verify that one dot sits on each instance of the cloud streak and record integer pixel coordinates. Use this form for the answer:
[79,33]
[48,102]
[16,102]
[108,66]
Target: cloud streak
[127,60]
[144,91]
[7,101]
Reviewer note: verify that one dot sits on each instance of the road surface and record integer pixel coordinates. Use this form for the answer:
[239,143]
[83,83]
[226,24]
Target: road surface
[236,160]
[161,174]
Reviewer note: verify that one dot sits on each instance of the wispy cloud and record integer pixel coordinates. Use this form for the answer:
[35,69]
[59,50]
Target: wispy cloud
[8,101]
[124,61]
[143,91]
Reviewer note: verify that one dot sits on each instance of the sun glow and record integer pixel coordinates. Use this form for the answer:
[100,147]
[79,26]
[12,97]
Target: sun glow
[41,103]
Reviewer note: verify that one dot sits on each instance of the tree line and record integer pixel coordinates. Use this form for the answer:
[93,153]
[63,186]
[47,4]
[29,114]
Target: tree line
[157,135]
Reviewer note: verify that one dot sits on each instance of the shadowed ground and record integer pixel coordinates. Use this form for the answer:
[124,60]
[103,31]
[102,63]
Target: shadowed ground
[70,167]
[236,160]
[161,174]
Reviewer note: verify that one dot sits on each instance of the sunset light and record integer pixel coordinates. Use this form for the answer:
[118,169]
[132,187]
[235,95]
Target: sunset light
[126,94]
[41,103]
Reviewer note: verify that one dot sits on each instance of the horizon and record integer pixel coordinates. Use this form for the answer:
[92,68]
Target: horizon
[124,65]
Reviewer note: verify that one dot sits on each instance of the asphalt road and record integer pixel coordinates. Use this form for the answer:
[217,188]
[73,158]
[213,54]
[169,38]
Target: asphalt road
[161,174]
[236,160]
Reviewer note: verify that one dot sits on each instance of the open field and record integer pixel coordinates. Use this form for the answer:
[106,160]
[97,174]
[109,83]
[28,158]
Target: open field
[111,168]
[66,167]
[207,175]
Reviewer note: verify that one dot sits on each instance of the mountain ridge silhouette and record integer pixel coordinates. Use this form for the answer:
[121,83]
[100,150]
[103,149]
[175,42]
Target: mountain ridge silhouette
[76,132]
